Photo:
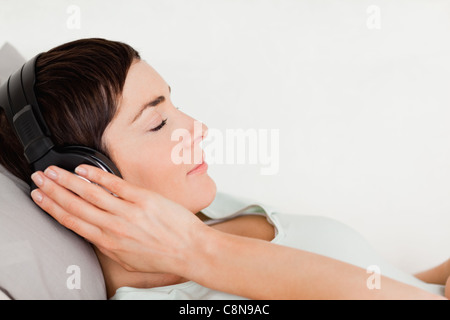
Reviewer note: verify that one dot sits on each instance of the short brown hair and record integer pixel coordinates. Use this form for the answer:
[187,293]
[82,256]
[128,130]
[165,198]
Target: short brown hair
[78,86]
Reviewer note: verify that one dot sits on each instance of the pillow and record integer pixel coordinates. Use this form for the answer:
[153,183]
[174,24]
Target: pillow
[10,61]
[39,258]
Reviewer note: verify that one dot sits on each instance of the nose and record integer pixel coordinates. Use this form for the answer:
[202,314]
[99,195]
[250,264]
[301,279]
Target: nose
[200,131]
[191,135]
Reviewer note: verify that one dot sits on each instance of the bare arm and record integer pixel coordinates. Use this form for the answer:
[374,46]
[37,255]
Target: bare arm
[262,270]
[438,275]
[146,232]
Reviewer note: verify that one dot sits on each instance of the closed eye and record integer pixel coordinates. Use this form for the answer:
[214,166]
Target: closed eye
[163,123]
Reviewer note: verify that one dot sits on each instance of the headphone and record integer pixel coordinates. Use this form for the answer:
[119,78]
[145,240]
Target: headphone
[18,99]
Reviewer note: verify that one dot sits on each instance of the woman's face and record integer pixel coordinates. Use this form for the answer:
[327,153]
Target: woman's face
[151,159]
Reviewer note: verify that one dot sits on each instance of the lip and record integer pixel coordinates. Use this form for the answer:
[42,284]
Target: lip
[201,168]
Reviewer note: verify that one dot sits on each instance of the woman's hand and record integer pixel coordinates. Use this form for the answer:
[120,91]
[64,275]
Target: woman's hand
[138,228]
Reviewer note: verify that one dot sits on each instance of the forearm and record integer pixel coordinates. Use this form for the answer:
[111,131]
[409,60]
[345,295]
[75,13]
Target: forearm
[438,275]
[262,270]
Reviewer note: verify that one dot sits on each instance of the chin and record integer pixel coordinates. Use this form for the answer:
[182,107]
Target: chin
[201,197]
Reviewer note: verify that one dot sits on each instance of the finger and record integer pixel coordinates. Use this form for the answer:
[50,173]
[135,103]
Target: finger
[90,192]
[111,182]
[72,222]
[70,202]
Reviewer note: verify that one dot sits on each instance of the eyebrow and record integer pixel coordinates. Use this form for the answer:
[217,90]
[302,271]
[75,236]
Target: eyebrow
[150,104]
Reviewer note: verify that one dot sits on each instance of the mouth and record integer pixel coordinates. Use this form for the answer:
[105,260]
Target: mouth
[200,168]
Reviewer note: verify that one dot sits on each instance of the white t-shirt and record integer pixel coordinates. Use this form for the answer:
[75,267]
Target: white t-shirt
[316,234]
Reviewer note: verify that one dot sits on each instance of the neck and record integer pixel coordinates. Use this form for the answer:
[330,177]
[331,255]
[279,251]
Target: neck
[116,276]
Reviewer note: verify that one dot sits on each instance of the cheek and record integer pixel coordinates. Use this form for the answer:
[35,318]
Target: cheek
[152,168]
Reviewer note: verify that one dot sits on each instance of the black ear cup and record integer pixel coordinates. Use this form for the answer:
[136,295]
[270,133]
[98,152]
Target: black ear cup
[71,157]
[92,156]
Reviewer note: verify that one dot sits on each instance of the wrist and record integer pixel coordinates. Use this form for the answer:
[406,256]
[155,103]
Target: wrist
[199,259]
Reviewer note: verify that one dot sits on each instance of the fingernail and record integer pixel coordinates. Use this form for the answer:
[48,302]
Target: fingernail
[51,174]
[36,195]
[81,171]
[37,179]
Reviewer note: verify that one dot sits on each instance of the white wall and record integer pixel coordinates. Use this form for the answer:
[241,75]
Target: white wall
[359,91]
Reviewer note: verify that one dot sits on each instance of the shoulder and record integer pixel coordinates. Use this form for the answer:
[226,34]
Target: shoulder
[251,225]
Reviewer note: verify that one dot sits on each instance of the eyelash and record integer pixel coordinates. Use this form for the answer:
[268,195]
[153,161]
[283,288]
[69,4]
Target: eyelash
[163,123]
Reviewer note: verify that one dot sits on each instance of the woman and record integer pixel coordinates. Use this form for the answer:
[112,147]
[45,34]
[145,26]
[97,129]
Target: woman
[147,230]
